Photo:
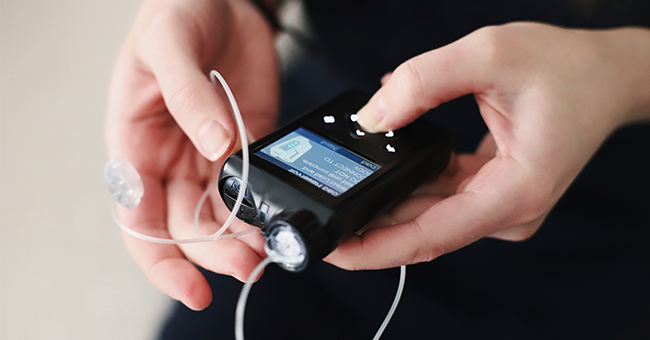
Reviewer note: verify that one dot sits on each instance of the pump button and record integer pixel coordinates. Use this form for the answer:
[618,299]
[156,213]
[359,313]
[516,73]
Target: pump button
[246,213]
[247,210]
[264,211]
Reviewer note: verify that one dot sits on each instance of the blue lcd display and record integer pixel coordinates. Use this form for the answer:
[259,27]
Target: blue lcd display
[326,165]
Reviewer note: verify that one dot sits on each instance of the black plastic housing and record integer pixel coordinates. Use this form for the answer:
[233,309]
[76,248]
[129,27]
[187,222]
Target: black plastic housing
[420,151]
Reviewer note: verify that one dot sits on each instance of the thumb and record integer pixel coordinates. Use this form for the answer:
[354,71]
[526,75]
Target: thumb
[200,111]
[423,83]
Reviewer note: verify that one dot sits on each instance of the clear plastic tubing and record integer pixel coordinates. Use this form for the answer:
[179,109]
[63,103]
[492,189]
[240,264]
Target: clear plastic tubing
[243,297]
[216,80]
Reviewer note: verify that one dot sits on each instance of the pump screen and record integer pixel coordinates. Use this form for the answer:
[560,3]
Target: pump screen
[327,165]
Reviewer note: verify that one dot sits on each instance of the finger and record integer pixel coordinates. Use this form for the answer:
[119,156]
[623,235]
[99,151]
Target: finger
[196,105]
[164,265]
[519,232]
[444,184]
[494,199]
[404,212]
[222,213]
[229,256]
[447,184]
[424,82]
[385,78]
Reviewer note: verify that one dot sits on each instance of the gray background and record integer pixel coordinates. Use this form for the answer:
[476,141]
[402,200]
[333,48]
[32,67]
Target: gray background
[65,273]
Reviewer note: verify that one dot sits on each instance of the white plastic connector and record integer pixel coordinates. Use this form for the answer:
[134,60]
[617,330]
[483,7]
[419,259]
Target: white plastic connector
[286,248]
[125,184]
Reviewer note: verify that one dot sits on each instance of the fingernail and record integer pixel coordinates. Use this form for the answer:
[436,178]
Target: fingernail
[238,278]
[372,116]
[214,139]
[194,308]
[244,280]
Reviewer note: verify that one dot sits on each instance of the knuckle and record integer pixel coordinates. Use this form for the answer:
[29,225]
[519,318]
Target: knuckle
[525,233]
[349,266]
[410,83]
[181,101]
[426,251]
[531,195]
[150,31]
[490,41]
[345,263]
[343,258]
[518,233]
[535,204]
[521,234]
[534,208]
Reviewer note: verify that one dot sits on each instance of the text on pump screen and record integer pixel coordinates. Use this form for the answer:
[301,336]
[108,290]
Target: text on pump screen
[326,165]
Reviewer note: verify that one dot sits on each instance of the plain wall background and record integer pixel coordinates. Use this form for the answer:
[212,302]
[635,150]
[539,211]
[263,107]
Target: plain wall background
[65,273]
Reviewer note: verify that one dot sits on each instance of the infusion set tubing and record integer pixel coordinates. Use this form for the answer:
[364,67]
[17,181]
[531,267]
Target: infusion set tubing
[321,220]
[300,222]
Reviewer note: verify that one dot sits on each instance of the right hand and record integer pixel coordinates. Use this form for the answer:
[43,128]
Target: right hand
[550,96]
[165,116]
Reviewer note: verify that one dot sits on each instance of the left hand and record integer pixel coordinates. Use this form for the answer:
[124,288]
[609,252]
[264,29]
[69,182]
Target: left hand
[549,96]
[165,116]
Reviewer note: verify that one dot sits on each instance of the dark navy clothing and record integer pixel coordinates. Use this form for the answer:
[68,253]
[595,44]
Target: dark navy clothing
[367,38]
[584,275]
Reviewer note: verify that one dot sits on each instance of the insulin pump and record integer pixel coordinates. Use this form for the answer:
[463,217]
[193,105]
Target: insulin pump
[316,181]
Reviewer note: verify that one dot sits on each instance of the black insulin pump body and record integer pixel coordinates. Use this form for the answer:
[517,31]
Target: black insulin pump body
[322,177]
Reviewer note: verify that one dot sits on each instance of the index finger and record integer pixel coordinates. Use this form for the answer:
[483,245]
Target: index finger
[424,82]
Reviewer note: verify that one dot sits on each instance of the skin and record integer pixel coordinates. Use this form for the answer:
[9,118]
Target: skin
[550,97]
[159,104]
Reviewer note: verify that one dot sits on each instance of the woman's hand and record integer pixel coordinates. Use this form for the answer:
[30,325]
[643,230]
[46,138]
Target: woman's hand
[550,97]
[166,117]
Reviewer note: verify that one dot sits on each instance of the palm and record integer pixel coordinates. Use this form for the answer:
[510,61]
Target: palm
[143,127]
